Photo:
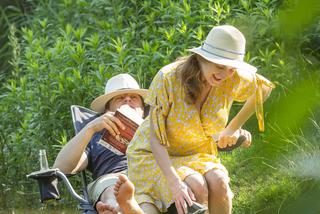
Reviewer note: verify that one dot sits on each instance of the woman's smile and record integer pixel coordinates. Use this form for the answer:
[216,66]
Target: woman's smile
[216,78]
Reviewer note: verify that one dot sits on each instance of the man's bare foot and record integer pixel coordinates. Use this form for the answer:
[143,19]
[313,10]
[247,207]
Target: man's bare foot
[105,208]
[124,193]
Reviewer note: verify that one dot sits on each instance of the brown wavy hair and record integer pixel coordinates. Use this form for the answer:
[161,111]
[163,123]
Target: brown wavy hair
[189,71]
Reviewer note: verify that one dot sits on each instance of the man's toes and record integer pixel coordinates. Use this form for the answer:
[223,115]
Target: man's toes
[123,178]
[101,206]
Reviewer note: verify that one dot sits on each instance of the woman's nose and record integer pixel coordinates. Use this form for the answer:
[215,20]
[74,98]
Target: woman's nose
[226,73]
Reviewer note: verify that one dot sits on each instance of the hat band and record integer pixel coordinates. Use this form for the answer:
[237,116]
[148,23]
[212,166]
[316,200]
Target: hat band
[227,54]
[222,49]
[120,89]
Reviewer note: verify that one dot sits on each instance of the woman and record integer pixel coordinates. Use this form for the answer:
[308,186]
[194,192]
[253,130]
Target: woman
[173,156]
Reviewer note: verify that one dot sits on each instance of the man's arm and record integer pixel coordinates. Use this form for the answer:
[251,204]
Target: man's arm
[72,157]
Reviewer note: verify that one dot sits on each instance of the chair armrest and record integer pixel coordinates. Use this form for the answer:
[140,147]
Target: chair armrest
[48,180]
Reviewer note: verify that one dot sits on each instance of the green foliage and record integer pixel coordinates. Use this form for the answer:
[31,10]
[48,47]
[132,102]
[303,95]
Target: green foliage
[297,16]
[64,50]
[11,13]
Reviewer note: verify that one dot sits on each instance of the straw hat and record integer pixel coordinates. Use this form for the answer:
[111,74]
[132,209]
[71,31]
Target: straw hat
[119,84]
[225,45]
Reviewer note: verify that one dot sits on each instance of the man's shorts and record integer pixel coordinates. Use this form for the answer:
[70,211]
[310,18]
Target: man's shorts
[96,187]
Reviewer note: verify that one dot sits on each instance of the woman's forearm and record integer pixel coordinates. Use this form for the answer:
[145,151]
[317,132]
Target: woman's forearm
[162,157]
[247,110]
[243,115]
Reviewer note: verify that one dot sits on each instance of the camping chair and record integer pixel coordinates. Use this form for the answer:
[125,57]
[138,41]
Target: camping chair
[48,179]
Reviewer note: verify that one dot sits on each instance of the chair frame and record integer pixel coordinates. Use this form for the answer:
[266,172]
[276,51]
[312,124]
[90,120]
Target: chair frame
[47,179]
[53,175]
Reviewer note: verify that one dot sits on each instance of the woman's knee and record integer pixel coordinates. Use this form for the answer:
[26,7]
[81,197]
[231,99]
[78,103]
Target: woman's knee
[199,187]
[149,208]
[218,183]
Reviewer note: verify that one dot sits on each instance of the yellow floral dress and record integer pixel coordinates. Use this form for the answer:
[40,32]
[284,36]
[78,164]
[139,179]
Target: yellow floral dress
[186,132]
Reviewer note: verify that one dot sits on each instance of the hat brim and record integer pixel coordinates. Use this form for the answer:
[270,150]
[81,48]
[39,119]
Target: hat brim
[99,103]
[243,68]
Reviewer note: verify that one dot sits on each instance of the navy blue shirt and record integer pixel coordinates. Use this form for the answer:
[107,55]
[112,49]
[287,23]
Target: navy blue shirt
[101,160]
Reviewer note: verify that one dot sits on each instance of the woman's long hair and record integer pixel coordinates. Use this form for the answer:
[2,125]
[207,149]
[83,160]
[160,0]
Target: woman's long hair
[190,74]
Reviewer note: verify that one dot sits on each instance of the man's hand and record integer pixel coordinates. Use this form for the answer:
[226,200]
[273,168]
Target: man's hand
[107,121]
[229,139]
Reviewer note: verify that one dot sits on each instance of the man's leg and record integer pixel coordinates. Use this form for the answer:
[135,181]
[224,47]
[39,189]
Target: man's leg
[103,208]
[101,194]
[124,193]
[108,197]
[107,203]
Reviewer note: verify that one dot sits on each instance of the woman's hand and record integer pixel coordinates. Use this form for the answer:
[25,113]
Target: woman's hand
[182,195]
[107,121]
[228,139]
[248,136]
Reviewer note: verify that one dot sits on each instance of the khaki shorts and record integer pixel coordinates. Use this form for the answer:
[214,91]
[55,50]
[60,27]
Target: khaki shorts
[97,187]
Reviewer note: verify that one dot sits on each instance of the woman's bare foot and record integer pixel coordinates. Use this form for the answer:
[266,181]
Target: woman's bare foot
[124,193]
[103,208]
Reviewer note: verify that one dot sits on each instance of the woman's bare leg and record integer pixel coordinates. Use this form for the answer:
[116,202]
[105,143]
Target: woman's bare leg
[199,187]
[220,195]
[149,208]
[124,193]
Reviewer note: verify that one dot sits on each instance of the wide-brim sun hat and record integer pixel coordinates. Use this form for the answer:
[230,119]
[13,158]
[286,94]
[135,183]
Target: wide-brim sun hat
[117,85]
[225,45]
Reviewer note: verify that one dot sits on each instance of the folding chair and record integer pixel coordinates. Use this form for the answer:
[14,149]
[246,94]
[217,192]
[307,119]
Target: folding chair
[48,179]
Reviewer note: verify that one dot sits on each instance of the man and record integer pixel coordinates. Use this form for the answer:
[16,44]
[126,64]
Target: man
[84,152]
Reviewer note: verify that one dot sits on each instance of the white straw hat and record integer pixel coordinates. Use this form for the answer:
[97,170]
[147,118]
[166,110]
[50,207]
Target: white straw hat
[119,84]
[225,45]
